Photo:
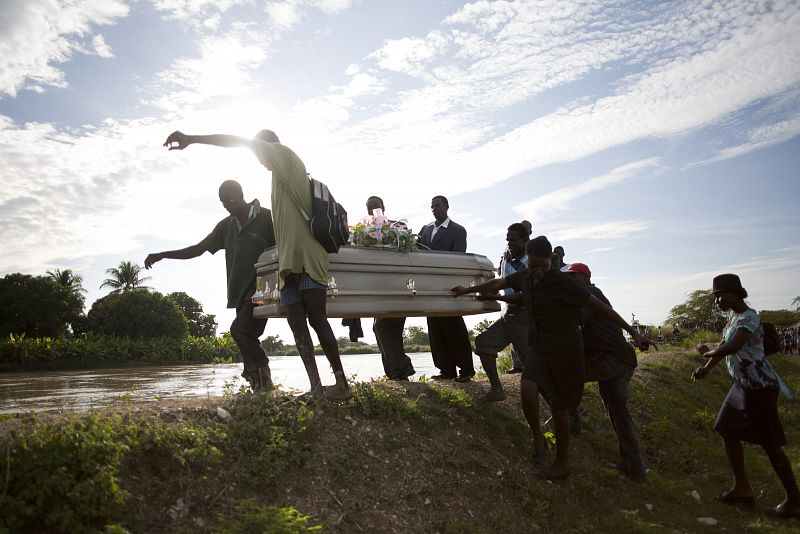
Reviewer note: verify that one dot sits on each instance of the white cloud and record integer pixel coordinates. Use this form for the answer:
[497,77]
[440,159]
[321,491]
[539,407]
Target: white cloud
[195,11]
[694,65]
[601,230]
[224,68]
[547,205]
[101,48]
[38,35]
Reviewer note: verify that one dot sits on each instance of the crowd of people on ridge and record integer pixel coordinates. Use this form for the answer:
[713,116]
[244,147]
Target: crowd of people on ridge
[562,328]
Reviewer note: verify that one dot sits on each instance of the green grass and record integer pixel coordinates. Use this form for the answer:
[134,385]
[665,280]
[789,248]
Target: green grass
[413,457]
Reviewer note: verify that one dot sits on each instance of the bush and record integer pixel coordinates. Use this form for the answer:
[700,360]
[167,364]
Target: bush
[700,336]
[37,306]
[138,314]
[254,518]
[65,477]
[96,350]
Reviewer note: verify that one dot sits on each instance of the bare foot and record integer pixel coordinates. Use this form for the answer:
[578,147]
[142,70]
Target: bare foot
[494,396]
[554,473]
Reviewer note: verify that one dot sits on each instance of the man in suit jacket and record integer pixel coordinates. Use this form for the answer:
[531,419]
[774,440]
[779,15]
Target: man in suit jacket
[449,339]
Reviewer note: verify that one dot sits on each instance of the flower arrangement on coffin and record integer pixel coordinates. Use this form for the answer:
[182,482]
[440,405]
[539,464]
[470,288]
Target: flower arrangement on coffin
[377,230]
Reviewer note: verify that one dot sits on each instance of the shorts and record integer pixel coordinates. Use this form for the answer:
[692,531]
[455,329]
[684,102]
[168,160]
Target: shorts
[294,284]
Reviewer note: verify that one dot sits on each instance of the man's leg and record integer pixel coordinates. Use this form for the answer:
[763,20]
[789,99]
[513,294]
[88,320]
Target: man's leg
[314,302]
[245,331]
[487,344]
[389,333]
[614,394]
[459,346]
[296,317]
[529,398]
[439,352]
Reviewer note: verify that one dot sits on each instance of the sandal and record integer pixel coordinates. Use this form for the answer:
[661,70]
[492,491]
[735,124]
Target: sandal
[784,512]
[553,475]
[729,497]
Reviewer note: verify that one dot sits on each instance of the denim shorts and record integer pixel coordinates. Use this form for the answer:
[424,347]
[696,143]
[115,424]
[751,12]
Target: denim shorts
[294,284]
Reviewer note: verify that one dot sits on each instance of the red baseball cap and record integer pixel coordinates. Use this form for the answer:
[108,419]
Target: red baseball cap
[578,268]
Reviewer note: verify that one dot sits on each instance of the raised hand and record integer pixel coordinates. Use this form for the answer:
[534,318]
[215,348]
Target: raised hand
[151,259]
[177,141]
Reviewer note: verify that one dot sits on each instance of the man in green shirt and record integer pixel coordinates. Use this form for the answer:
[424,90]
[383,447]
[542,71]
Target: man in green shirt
[244,235]
[302,262]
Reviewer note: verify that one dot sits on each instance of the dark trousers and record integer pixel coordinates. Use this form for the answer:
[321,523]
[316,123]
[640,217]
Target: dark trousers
[614,394]
[510,328]
[450,345]
[389,334]
[246,330]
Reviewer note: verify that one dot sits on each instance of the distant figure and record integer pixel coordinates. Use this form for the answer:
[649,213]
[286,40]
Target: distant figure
[389,330]
[513,326]
[302,262]
[558,253]
[750,410]
[610,361]
[528,226]
[244,235]
[555,364]
[449,338]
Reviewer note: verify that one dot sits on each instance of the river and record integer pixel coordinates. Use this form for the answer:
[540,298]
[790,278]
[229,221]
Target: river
[81,390]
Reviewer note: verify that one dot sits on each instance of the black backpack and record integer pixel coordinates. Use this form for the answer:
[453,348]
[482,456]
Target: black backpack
[328,219]
[772,341]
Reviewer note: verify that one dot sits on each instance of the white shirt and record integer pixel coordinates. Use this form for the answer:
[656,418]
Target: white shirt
[436,228]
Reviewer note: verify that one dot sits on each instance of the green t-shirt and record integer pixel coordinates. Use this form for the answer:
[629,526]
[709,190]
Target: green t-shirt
[298,250]
[242,249]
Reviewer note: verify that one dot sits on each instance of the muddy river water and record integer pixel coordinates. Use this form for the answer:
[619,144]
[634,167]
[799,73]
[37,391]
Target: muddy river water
[81,390]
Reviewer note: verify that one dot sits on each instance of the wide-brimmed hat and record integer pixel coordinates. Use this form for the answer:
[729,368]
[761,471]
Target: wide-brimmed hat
[577,268]
[726,282]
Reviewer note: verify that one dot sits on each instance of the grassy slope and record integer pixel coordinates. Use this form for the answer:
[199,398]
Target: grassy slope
[414,457]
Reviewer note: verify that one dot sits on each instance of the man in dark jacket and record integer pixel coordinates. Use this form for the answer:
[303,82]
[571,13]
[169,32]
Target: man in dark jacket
[450,344]
[244,235]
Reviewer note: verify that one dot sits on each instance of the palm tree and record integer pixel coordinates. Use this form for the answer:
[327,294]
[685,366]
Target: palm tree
[125,277]
[68,279]
[796,302]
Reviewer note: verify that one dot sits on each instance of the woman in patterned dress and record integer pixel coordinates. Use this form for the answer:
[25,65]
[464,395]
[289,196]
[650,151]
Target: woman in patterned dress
[750,410]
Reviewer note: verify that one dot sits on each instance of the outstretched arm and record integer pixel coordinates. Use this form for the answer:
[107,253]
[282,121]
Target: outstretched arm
[492,286]
[181,254]
[725,348]
[178,140]
[643,342]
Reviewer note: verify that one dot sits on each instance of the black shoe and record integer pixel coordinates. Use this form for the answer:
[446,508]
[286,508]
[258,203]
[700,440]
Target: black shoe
[464,378]
[514,370]
[443,376]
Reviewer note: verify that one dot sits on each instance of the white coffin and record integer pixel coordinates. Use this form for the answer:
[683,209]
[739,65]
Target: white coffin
[378,282]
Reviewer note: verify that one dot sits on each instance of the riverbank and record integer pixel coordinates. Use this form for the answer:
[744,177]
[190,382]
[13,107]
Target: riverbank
[20,353]
[399,457]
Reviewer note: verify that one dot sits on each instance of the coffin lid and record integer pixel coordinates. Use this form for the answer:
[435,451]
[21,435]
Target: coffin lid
[389,257]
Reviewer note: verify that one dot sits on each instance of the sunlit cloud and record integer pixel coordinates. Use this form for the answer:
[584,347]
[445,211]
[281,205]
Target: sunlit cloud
[601,231]
[547,205]
[60,30]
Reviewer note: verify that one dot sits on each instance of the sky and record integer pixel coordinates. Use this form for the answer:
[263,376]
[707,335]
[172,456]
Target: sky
[657,142]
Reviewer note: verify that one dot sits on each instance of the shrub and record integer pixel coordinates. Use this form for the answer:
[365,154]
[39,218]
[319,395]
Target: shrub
[37,306]
[95,350]
[64,476]
[138,314]
[254,518]
[700,336]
